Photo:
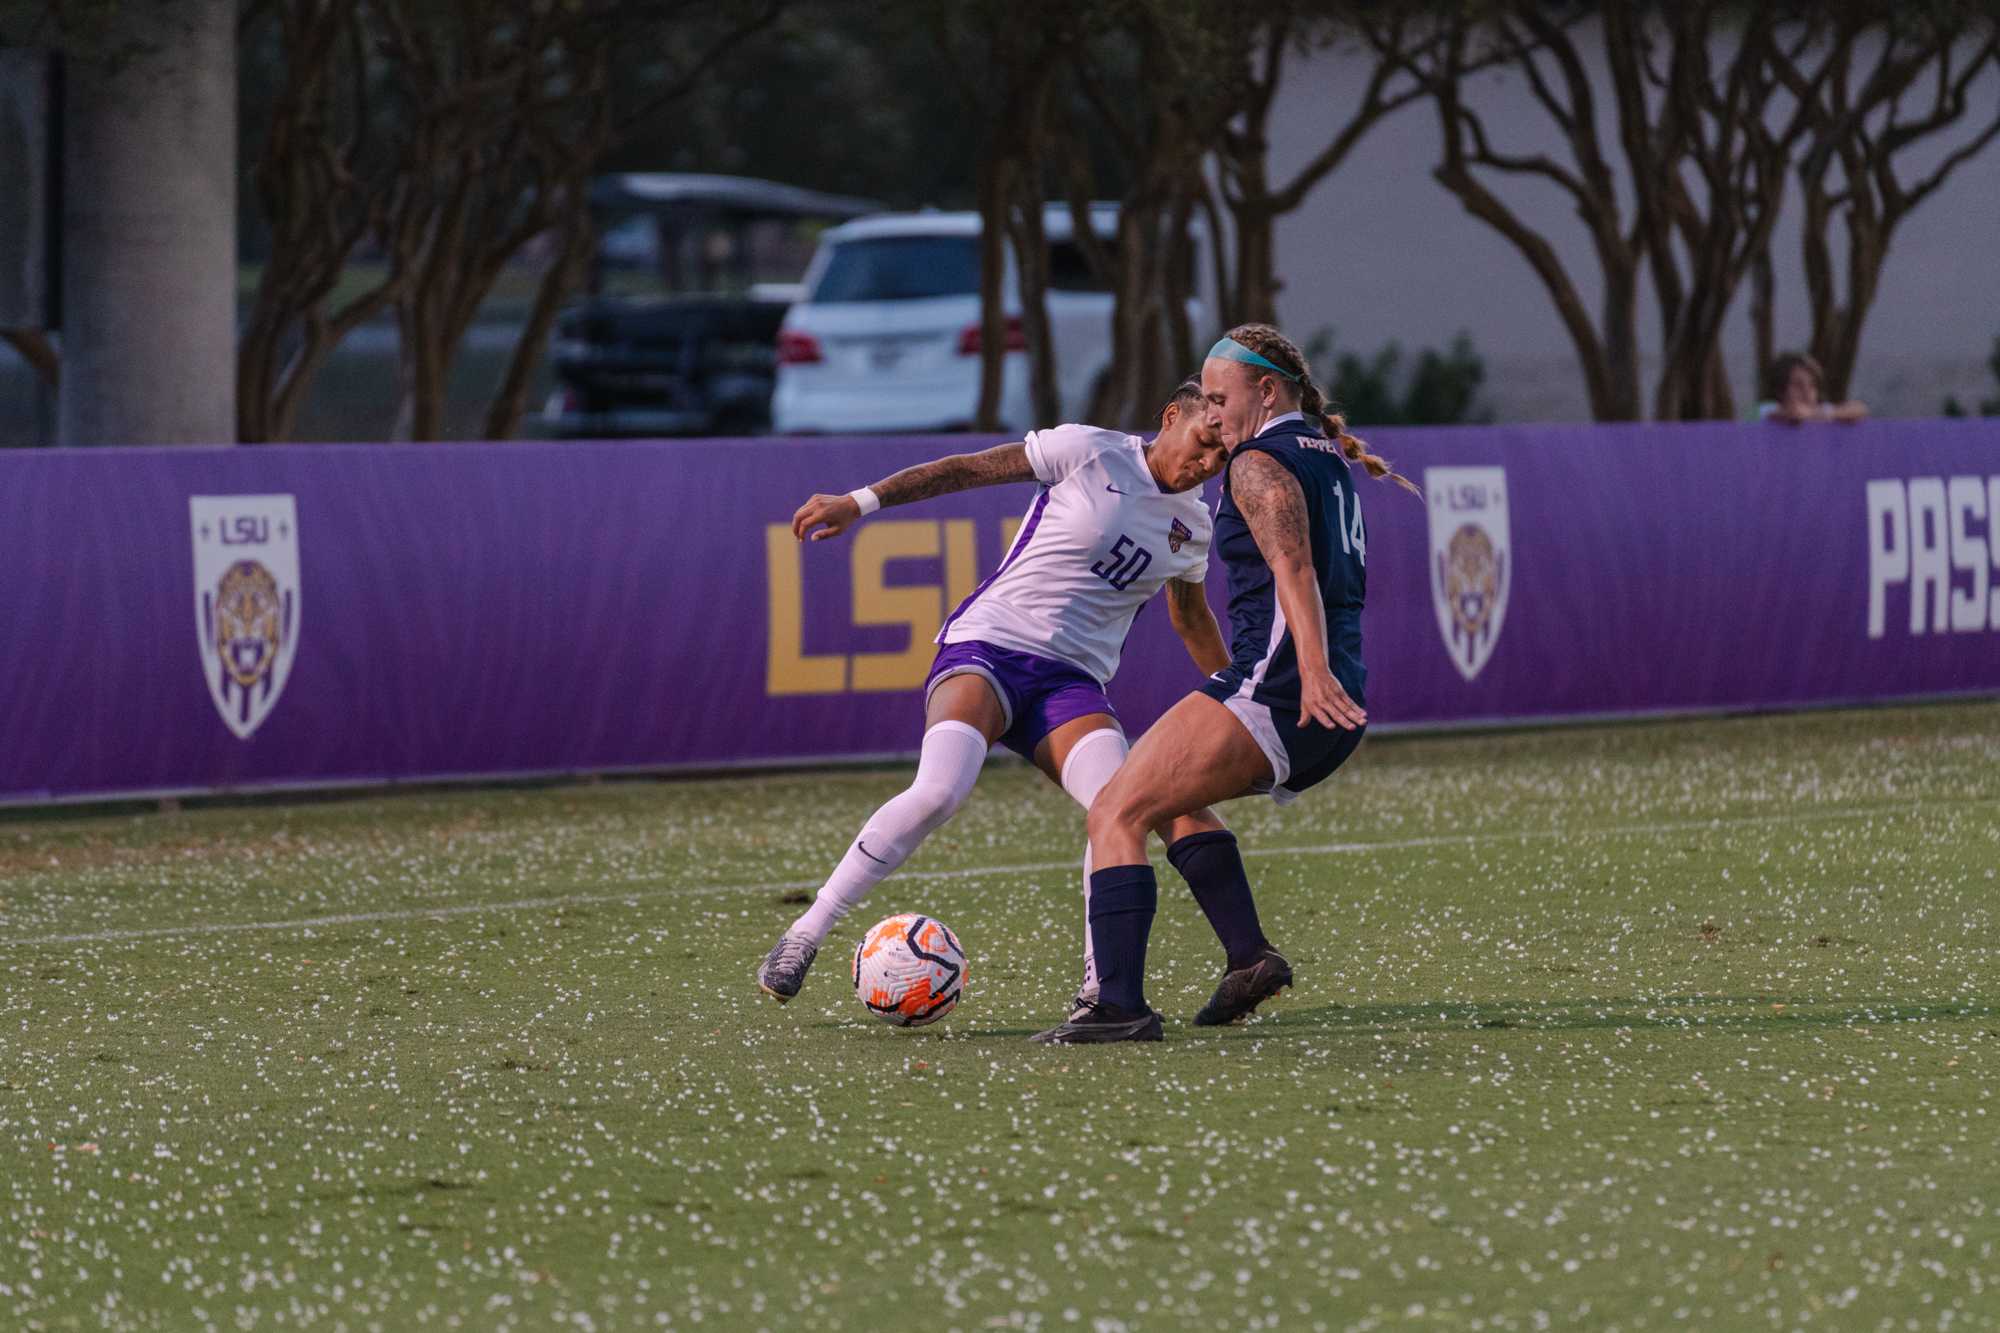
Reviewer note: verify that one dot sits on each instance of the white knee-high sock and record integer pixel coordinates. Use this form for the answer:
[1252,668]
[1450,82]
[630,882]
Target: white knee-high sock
[952,755]
[1090,765]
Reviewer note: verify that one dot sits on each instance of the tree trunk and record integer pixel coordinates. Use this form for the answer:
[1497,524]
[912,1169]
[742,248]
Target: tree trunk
[993,187]
[1135,324]
[1618,347]
[423,361]
[1176,292]
[1763,321]
[1612,387]
[256,351]
[1922,83]
[1867,251]
[1256,263]
[1253,216]
[1228,292]
[1031,259]
[1111,404]
[1718,399]
[510,403]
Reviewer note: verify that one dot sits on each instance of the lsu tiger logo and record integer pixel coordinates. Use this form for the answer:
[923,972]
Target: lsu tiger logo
[1471,560]
[246,601]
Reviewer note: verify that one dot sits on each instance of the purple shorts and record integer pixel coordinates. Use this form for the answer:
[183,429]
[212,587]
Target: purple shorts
[1037,694]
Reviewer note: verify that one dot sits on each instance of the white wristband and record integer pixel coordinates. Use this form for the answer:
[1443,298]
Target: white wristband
[867,499]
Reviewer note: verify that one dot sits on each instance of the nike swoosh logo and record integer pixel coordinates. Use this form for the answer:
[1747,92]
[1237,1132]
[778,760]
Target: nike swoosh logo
[1114,490]
[862,847]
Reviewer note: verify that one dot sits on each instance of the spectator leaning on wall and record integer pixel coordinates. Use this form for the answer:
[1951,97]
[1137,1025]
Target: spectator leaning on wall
[1792,394]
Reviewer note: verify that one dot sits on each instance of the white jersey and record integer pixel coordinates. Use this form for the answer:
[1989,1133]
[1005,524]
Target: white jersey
[1099,540]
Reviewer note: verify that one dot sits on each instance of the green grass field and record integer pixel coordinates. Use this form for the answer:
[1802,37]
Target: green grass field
[1687,1025]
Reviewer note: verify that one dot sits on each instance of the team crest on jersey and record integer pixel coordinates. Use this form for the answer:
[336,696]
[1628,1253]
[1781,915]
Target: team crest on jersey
[246,601]
[1178,535]
[1471,560]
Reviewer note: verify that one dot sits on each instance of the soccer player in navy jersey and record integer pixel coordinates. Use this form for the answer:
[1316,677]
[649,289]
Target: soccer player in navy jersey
[1281,717]
[1024,659]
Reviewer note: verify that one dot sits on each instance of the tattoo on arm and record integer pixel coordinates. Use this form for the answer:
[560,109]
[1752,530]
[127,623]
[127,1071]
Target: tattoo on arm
[959,472]
[1274,507]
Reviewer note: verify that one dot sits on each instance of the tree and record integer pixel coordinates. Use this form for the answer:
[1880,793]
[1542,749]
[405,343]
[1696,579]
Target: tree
[847,98]
[1708,124]
[1172,86]
[1713,120]
[320,183]
[1919,87]
[1009,73]
[448,139]
[1150,82]
[1249,283]
[1607,344]
[1049,94]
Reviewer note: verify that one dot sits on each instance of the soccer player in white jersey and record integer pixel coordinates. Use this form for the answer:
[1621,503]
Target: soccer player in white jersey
[1024,659]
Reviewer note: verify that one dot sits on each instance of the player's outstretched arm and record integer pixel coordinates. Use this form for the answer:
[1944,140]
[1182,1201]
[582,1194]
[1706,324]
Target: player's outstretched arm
[1188,609]
[1275,508]
[830,515]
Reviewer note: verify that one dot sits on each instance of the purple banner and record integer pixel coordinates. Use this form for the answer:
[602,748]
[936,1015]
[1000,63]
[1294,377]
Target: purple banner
[213,619]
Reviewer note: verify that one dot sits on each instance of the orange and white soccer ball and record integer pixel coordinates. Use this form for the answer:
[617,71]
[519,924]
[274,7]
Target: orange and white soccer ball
[909,970]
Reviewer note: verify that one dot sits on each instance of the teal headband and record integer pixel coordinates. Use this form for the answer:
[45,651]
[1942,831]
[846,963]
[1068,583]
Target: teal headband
[1231,350]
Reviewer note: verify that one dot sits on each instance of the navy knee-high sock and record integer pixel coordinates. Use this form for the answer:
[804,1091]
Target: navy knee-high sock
[1213,868]
[1122,901]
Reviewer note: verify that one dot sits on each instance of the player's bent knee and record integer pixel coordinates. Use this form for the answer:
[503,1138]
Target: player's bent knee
[1099,821]
[1119,807]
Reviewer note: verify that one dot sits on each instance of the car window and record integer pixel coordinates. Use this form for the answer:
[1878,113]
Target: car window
[899,268]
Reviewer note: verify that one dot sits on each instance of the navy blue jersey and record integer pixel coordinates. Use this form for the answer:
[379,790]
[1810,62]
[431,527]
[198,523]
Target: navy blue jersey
[1262,658]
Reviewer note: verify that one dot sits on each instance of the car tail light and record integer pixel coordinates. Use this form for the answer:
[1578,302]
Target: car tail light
[970,340]
[798,349]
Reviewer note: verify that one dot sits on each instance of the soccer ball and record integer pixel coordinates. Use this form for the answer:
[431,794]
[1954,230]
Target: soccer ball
[909,970]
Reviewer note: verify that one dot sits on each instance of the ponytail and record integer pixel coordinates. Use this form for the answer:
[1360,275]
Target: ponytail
[1313,404]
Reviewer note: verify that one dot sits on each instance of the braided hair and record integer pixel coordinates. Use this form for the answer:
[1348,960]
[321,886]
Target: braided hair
[1275,347]
[1189,396]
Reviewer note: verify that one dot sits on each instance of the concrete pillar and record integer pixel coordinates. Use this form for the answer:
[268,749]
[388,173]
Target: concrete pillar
[149,231]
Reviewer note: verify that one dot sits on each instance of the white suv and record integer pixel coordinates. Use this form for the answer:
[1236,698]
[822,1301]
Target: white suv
[887,337]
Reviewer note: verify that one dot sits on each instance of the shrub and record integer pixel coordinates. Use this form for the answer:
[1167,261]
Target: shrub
[1440,390]
[1989,407]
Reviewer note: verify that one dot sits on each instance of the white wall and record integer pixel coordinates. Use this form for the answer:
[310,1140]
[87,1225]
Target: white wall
[1381,251]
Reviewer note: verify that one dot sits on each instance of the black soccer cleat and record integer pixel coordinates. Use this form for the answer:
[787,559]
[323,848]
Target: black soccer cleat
[1094,1023]
[783,970]
[1241,991]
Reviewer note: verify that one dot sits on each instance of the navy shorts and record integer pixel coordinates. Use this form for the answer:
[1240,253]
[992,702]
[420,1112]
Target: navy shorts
[1300,757]
[1037,694]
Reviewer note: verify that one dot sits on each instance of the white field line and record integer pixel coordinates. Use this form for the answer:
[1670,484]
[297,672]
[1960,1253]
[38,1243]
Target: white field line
[642,894]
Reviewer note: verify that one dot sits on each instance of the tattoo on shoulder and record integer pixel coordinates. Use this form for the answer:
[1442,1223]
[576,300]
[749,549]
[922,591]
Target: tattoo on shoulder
[1271,502]
[960,472]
